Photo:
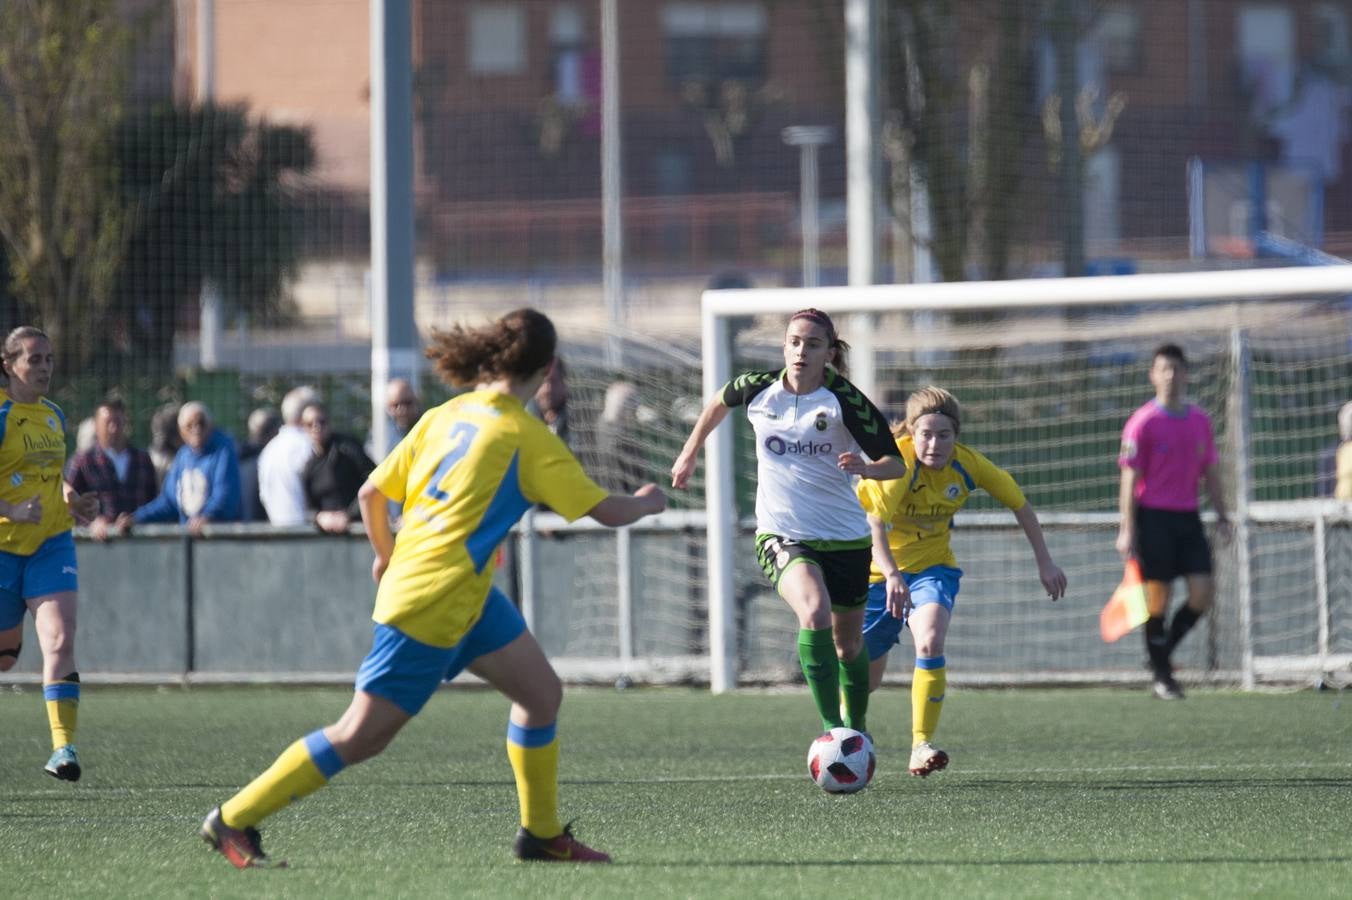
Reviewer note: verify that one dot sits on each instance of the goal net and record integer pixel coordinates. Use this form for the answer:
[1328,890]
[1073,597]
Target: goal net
[1047,372]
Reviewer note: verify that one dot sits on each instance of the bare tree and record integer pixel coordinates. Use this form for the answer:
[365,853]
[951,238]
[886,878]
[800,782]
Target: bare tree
[62,72]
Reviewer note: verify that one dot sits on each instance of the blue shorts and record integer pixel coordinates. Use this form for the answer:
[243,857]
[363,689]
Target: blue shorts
[406,672]
[50,570]
[937,584]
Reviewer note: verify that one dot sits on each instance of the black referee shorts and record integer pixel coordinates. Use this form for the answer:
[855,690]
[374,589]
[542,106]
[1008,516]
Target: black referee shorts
[1171,544]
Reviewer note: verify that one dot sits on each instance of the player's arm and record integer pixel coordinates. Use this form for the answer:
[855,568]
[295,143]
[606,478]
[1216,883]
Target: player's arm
[714,412]
[1212,477]
[885,469]
[898,595]
[625,509]
[1048,572]
[375,515]
[1126,511]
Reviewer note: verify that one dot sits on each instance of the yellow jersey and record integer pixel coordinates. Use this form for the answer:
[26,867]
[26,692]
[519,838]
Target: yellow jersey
[465,474]
[918,508]
[32,457]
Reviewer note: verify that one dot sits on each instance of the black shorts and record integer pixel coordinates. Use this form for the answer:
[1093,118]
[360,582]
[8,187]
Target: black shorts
[1171,544]
[844,566]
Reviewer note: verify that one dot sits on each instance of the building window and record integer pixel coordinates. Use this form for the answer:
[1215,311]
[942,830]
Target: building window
[497,39]
[1267,55]
[568,49]
[1118,30]
[714,42]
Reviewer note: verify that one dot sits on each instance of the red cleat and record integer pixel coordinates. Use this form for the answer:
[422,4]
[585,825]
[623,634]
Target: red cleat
[241,846]
[564,848]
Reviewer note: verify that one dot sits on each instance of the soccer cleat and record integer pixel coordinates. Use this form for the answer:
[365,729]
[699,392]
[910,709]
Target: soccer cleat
[1165,688]
[242,847]
[927,758]
[564,848]
[64,764]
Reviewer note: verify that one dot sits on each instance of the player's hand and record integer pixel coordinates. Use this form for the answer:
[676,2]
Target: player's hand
[657,501]
[682,469]
[898,596]
[332,521]
[122,524]
[852,463]
[1053,579]
[28,511]
[196,524]
[378,567]
[1124,543]
[83,507]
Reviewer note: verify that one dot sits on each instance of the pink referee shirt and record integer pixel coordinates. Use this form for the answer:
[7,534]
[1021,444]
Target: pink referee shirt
[1170,454]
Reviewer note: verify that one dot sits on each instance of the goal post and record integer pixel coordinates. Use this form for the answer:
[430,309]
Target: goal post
[1049,344]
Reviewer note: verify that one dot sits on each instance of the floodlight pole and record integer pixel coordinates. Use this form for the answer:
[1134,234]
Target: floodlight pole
[807,138]
[210,324]
[394,335]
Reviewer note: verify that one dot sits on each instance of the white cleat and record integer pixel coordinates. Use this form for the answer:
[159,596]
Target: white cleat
[927,758]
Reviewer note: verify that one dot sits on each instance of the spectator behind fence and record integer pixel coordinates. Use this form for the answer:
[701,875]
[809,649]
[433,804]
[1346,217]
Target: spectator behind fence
[121,475]
[264,423]
[550,402]
[202,484]
[164,439]
[1343,489]
[284,459]
[336,471]
[403,408]
[620,451]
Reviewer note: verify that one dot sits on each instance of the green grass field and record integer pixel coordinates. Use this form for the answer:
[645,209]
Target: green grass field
[1069,793]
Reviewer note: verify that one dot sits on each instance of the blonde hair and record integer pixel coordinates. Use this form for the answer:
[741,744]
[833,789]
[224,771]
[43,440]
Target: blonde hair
[927,401]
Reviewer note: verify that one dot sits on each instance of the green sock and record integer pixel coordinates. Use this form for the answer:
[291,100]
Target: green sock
[854,690]
[817,655]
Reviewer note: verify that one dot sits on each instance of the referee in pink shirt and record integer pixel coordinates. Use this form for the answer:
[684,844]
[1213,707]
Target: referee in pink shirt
[1167,448]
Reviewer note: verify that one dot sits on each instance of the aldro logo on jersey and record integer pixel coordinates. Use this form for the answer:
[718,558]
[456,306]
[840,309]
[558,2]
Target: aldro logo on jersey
[780,447]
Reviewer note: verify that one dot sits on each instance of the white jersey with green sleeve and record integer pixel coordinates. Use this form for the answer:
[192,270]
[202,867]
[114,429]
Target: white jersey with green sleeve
[801,492]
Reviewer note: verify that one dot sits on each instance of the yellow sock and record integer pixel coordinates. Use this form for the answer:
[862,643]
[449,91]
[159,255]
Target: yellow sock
[303,768]
[927,697]
[534,753]
[63,708]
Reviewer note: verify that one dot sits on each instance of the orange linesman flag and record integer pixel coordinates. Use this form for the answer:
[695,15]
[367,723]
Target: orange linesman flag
[1127,608]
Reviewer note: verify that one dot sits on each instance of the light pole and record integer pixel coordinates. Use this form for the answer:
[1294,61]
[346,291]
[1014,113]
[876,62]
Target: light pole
[807,138]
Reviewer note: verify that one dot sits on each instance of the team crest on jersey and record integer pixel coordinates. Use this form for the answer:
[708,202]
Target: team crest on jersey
[16,479]
[821,422]
[952,492]
[51,423]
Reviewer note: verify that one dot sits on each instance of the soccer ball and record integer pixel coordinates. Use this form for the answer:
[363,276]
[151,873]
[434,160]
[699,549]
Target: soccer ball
[841,761]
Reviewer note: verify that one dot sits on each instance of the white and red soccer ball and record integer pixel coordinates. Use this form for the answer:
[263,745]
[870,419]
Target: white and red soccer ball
[841,761]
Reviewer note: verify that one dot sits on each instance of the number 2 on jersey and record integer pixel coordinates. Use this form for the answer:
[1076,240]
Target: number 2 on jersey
[461,436]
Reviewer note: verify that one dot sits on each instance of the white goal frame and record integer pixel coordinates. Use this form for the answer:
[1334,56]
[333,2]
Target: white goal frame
[717,306]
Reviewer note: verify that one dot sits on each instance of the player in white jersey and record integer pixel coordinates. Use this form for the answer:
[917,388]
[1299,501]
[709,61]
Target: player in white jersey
[814,432]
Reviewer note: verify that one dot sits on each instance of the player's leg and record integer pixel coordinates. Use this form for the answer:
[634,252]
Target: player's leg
[795,575]
[395,680]
[933,592]
[12,609]
[54,623]
[519,670]
[48,582]
[1196,567]
[1156,552]
[882,631]
[845,572]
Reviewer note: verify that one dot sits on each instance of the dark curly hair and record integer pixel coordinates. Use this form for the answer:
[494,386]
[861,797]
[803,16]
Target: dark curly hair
[516,346]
